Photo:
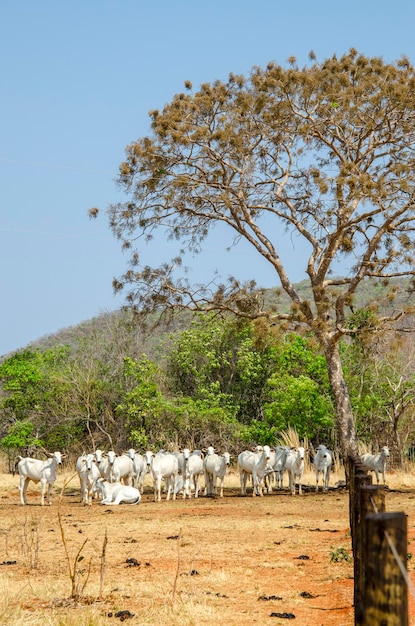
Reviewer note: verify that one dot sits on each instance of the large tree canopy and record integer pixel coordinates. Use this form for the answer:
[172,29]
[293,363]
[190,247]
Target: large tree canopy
[325,152]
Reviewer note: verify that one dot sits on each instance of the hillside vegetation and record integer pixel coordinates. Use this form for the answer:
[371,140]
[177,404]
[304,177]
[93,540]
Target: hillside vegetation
[373,292]
[202,380]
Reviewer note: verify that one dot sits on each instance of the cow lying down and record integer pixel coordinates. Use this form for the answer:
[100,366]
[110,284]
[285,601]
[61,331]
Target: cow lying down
[117,493]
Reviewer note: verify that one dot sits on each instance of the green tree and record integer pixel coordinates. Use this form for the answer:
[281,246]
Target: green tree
[32,392]
[298,391]
[221,359]
[379,370]
[322,155]
[297,403]
[151,418]
[142,403]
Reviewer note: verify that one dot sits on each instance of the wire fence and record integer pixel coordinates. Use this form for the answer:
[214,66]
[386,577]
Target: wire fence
[379,544]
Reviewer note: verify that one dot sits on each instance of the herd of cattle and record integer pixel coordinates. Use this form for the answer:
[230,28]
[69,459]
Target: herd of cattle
[117,479]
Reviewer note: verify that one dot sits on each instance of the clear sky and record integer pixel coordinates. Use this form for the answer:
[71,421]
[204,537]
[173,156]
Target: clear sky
[78,78]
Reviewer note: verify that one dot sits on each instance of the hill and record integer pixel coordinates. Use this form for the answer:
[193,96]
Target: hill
[372,291]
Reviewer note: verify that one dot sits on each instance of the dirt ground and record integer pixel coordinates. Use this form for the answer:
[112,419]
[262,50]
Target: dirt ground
[236,560]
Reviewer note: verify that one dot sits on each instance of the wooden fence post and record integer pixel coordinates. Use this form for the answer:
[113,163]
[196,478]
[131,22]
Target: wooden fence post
[385,592]
[359,481]
[371,500]
[356,467]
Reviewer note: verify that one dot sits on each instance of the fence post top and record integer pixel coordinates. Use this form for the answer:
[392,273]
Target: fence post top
[386,516]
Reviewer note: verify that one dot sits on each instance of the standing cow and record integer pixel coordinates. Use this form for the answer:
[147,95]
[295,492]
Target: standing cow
[36,470]
[295,468]
[377,462]
[322,463]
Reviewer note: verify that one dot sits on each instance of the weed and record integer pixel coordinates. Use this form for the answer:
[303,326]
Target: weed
[30,541]
[340,554]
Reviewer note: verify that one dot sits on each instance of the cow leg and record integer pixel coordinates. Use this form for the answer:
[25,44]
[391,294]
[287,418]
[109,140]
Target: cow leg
[241,480]
[208,484]
[23,489]
[46,492]
[173,485]
[43,490]
[157,489]
[197,486]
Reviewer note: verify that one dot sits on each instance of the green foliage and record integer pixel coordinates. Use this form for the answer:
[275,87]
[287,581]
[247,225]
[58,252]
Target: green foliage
[258,432]
[220,382]
[151,418]
[30,378]
[21,435]
[218,358]
[139,439]
[297,402]
[298,390]
[67,436]
[143,402]
[363,323]
[270,383]
[199,423]
[297,355]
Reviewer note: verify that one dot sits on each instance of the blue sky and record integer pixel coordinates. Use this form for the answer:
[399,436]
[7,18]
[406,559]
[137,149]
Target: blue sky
[78,78]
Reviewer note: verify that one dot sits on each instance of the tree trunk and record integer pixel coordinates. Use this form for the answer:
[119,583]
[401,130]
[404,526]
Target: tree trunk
[345,420]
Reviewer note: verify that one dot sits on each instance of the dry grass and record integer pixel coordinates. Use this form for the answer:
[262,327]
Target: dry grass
[204,561]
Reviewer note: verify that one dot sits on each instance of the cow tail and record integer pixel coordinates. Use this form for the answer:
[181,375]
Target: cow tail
[18,459]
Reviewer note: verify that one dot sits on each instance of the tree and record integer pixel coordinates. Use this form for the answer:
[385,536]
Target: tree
[218,359]
[32,394]
[380,376]
[323,154]
[298,391]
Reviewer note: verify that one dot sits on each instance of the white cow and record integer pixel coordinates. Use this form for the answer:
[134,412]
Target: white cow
[246,462]
[101,461]
[182,457]
[163,465]
[207,452]
[36,470]
[107,464]
[259,470]
[193,471]
[322,463]
[120,469]
[281,453]
[295,468]
[88,473]
[269,477]
[117,493]
[377,462]
[215,467]
[139,469]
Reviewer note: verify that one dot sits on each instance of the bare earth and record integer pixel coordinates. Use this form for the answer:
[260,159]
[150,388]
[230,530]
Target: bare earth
[236,560]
